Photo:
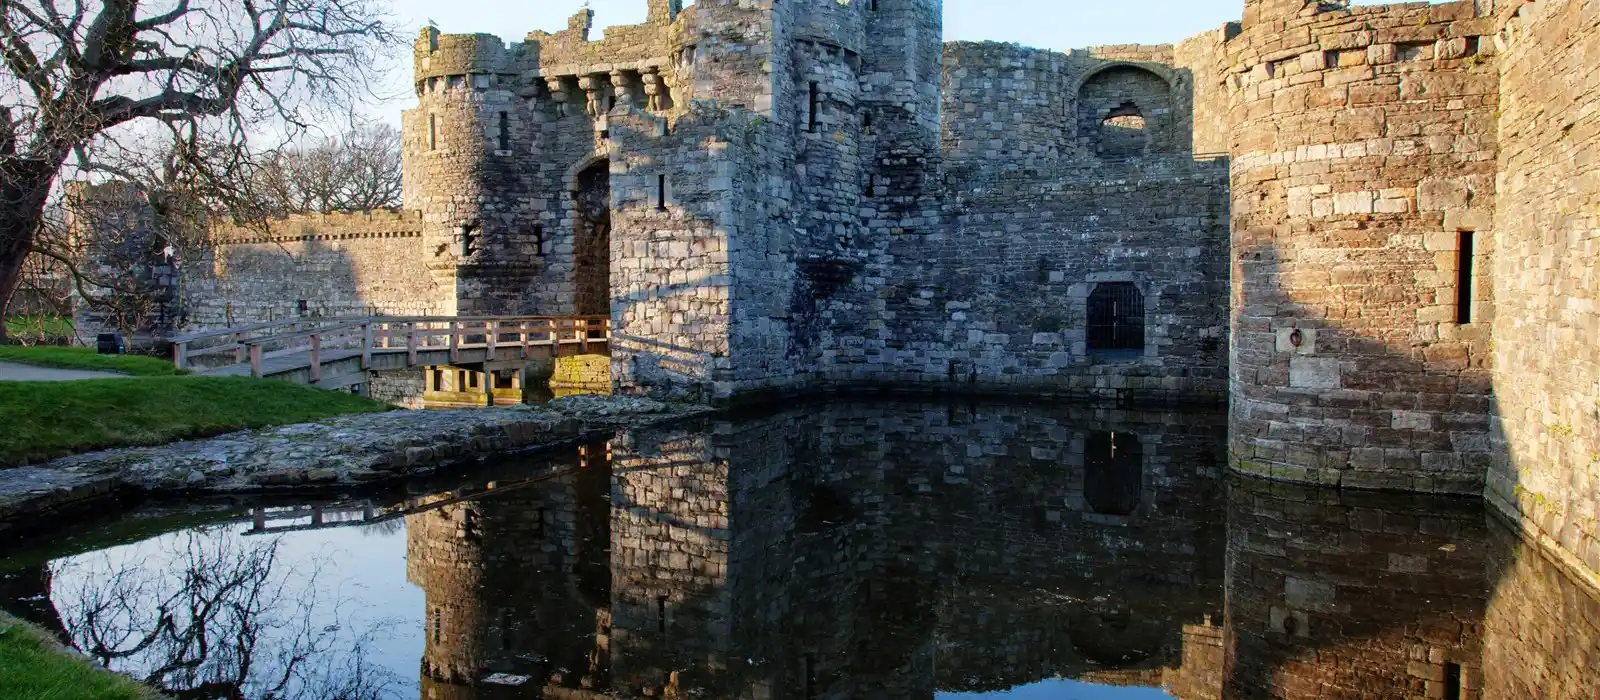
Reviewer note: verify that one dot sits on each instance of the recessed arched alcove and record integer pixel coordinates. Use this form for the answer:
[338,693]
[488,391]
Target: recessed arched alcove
[1124,111]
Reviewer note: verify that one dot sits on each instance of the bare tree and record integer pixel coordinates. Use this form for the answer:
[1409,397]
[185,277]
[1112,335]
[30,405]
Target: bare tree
[79,70]
[228,620]
[359,171]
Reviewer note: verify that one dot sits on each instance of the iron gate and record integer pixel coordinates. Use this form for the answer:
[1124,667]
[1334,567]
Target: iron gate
[1116,317]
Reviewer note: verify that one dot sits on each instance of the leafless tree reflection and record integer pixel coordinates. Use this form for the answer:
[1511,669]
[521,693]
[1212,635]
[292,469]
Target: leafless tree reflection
[211,615]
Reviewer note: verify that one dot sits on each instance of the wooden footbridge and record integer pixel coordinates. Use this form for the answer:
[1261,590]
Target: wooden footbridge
[338,352]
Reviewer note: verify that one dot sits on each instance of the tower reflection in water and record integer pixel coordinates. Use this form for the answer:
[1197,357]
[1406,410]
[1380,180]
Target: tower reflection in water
[912,551]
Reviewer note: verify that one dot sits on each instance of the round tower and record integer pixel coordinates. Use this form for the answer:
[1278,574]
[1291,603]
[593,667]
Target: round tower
[467,121]
[1362,167]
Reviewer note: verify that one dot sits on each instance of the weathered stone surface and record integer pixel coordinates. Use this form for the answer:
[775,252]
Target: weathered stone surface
[345,450]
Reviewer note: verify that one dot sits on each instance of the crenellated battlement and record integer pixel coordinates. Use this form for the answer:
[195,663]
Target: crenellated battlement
[324,227]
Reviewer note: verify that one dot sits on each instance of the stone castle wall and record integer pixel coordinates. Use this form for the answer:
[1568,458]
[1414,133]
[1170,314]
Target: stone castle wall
[770,197]
[317,265]
[1546,425]
[983,279]
[1363,142]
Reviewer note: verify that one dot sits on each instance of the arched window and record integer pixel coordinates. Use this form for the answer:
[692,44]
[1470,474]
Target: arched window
[1125,111]
[1123,133]
[1113,472]
[1116,319]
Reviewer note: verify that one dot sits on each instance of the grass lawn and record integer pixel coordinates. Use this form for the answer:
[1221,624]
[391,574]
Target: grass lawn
[87,358]
[33,668]
[50,419]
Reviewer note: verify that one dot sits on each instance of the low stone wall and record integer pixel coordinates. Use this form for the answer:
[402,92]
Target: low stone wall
[590,372]
[373,263]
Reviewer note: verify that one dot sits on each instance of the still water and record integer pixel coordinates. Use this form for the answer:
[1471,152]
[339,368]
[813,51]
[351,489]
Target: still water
[838,550]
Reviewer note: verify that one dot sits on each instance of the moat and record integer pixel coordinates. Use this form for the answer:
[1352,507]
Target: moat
[851,549]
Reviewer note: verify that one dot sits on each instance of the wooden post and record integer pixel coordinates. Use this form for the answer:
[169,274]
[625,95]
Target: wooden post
[316,357]
[522,335]
[583,337]
[255,360]
[411,346]
[239,352]
[180,354]
[366,345]
[455,343]
[489,329]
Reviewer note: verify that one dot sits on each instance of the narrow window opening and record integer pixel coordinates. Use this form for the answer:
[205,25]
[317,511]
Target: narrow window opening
[505,131]
[303,306]
[505,630]
[438,624]
[816,96]
[438,380]
[538,240]
[661,614]
[866,123]
[605,134]
[874,5]
[1452,681]
[433,132]
[661,193]
[1464,255]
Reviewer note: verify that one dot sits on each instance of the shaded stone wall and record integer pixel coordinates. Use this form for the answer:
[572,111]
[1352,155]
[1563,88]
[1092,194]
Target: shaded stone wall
[1546,423]
[337,264]
[979,267]
[1363,143]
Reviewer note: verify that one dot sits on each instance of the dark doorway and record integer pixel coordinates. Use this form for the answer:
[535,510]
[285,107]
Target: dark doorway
[1113,476]
[592,241]
[1116,320]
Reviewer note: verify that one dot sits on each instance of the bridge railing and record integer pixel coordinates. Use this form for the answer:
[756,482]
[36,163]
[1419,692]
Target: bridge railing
[413,334]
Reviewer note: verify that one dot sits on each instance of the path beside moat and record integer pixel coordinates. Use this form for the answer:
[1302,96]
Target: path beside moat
[14,372]
[347,451]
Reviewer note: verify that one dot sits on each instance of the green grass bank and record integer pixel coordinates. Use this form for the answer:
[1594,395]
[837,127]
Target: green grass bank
[35,667]
[51,419]
[87,358]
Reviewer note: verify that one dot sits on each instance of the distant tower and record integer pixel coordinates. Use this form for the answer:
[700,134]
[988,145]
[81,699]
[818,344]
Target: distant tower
[459,145]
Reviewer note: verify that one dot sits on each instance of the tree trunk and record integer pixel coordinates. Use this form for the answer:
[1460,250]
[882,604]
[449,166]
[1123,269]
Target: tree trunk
[24,188]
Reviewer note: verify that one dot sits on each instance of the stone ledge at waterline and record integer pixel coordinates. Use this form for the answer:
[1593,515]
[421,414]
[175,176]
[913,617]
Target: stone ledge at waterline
[343,451]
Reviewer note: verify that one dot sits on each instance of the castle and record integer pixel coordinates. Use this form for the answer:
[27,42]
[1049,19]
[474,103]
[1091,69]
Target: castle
[1373,230]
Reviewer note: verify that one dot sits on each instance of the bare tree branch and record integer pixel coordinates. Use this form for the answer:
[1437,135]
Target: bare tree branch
[77,76]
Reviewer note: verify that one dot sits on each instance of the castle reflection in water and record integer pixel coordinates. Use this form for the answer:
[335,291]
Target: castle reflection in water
[871,550]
